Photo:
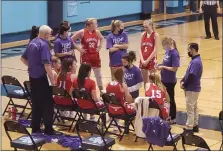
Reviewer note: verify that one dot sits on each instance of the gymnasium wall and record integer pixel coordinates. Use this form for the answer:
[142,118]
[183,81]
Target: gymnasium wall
[19,16]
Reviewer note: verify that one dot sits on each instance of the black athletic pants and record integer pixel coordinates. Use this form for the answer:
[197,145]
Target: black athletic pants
[210,11]
[42,104]
[170,90]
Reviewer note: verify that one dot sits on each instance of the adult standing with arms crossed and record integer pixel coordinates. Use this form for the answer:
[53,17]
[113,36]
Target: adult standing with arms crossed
[38,59]
[191,83]
[211,8]
[169,67]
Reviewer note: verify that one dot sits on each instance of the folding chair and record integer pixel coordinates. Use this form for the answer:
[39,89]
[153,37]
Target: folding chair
[110,99]
[171,140]
[194,140]
[152,105]
[60,94]
[96,141]
[82,94]
[27,86]
[26,142]
[15,90]
[221,125]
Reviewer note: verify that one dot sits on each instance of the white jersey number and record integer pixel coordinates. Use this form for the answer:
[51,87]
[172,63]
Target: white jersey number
[156,94]
[91,45]
[145,50]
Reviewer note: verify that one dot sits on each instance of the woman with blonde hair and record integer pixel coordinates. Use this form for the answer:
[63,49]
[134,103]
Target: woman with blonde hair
[148,49]
[117,44]
[91,42]
[157,91]
[171,62]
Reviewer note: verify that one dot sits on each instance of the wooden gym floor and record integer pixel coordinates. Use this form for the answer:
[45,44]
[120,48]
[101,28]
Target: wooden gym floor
[210,98]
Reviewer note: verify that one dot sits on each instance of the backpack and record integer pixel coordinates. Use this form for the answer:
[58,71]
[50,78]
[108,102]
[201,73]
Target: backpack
[156,130]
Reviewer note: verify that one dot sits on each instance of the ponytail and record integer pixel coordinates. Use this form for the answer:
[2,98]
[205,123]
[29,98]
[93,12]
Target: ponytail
[130,57]
[34,32]
[119,75]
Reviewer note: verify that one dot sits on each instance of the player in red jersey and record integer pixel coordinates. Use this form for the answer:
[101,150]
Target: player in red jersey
[156,90]
[148,50]
[83,81]
[120,90]
[90,38]
[66,78]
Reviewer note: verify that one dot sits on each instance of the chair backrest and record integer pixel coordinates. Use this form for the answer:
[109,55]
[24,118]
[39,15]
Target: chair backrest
[109,98]
[89,127]
[12,126]
[221,120]
[27,86]
[154,105]
[82,94]
[61,92]
[194,140]
[10,80]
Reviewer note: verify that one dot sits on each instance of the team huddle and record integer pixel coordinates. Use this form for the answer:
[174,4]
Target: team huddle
[127,79]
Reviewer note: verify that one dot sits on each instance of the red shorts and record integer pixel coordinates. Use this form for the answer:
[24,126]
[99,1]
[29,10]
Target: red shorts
[117,110]
[91,58]
[150,66]
[62,101]
[85,104]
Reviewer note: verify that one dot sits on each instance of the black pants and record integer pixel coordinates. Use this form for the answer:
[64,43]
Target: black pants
[170,90]
[42,104]
[210,12]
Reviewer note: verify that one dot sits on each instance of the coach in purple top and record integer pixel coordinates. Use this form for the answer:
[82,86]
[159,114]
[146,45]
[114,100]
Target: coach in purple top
[38,59]
[133,76]
[63,45]
[117,44]
[169,67]
[191,83]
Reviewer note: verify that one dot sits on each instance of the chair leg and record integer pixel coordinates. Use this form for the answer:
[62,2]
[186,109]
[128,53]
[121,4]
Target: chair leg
[23,109]
[150,147]
[136,139]
[221,148]
[9,103]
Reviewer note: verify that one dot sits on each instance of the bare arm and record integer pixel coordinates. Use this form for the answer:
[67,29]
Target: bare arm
[94,95]
[49,71]
[140,52]
[77,36]
[63,54]
[201,4]
[174,69]
[24,61]
[156,47]
[101,38]
[122,46]
[113,49]
[128,97]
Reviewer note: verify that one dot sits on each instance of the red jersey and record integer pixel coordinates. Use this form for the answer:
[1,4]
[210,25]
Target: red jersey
[148,44]
[115,87]
[67,84]
[158,95]
[147,48]
[90,41]
[89,86]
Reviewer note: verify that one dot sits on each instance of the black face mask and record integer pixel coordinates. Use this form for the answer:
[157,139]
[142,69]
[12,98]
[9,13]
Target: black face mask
[127,66]
[189,54]
[120,31]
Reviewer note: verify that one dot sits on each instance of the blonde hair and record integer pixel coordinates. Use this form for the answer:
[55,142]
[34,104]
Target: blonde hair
[150,23]
[115,24]
[155,78]
[90,21]
[169,41]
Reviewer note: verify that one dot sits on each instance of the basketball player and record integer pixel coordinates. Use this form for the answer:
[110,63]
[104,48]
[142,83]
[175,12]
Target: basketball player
[56,66]
[117,44]
[133,76]
[148,50]
[156,90]
[120,89]
[63,45]
[90,37]
[169,68]
[83,81]
[65,80]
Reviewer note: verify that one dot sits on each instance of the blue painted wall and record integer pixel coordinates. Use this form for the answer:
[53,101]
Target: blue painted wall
[102,10]
[18,16]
